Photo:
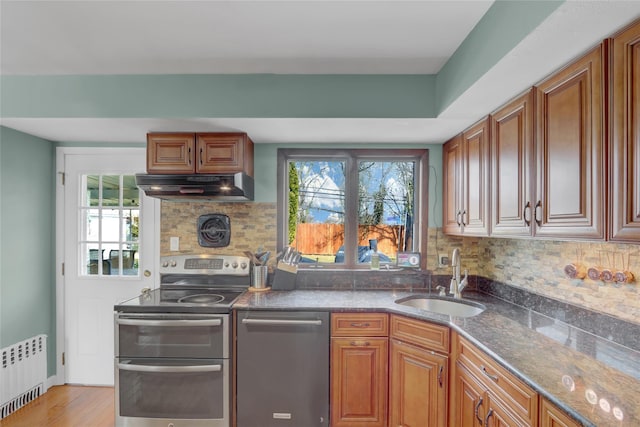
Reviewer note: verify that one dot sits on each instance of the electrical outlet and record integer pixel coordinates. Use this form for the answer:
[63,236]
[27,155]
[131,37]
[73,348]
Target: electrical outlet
[443,261]
[174,243]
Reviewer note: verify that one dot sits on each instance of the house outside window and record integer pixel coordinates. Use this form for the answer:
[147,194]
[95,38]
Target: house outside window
[339,207]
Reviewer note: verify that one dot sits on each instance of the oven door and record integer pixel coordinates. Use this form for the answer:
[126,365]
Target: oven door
[165,392]
[174,335]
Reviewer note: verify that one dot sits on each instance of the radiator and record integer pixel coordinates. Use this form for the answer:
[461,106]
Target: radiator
[23,373]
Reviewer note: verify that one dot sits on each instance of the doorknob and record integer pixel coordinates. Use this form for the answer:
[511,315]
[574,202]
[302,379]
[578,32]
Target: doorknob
[147,273]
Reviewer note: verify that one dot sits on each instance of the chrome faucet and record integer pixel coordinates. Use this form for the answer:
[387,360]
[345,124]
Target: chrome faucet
[457,286]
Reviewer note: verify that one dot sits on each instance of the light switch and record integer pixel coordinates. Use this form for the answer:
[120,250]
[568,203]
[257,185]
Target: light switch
[174,243]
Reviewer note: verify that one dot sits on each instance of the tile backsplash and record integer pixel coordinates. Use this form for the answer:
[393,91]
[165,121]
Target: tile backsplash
[252,225]
[531,264]
[538,266]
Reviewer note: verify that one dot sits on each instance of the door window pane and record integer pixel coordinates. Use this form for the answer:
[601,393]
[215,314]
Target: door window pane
[110,219]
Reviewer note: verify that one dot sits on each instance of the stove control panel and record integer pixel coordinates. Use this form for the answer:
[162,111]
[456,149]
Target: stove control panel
[205,264]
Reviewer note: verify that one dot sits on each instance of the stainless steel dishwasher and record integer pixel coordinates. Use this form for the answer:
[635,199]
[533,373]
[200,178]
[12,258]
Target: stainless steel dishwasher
[282,369]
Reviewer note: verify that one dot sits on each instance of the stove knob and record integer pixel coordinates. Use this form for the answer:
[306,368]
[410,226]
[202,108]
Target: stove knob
[165,264]
[234,265]
[243,265]
[173,263]
[226,264]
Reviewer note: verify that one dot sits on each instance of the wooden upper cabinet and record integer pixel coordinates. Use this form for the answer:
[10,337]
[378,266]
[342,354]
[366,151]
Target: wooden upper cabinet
[624,189]
[224,153]
[452,185]
[212,153]
[570,151]
[475,186]
[170,153]
[466,182]
[512,172]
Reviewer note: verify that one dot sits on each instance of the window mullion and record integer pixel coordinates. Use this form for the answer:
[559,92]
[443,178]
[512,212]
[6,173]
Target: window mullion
[351,213]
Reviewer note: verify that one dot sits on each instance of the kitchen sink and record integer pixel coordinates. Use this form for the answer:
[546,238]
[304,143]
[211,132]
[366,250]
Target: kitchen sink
[443,305]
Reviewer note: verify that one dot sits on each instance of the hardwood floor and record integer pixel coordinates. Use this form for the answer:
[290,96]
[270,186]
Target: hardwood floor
[67,406]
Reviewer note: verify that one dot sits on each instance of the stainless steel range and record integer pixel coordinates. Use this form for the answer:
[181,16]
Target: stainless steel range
[173,347]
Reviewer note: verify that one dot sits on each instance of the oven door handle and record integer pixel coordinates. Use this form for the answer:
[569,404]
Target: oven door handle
[144,322]
[280,322]
[169,369]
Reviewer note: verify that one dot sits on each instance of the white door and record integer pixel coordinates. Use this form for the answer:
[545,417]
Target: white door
[109,255]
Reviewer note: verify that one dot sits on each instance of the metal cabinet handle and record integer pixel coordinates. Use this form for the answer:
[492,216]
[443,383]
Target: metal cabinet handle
[360,325]
[189,156]
[280,322]
[169,369]
[464,212]
[360,343]
[527,208]
[201,154]
[143,322]
[440,375]
[535,213]
[475,411]
[458,218]
[489,414]
[487,374]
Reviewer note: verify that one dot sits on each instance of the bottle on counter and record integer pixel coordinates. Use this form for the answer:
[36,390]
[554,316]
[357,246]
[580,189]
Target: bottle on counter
[375,256]
[375,260]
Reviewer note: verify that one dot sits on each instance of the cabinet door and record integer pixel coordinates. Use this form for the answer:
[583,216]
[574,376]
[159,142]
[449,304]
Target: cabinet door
[475,185]
[625,137]
[359,381]
[551,416]
[500,416]
[469,405]
[224,153]
[418,387]
[570,151]
[452,186]
[170,153]
[512,168]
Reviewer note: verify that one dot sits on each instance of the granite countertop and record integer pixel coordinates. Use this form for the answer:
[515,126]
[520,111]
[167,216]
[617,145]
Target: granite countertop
[593,378]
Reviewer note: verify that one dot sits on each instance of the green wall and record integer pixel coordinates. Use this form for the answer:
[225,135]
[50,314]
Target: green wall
[505,24]
[246,95]
[27,248]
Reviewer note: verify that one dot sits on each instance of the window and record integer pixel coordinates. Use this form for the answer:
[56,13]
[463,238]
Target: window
[339,207]
[110,220]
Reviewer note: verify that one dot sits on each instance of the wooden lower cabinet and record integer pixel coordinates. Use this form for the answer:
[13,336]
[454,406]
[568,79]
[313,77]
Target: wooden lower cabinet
[551,416]
[418,387]
[483,393]
[468,400]
[475,405]
[359,369]
[359,381]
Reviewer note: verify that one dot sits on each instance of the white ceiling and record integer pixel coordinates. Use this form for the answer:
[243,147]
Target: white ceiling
[285,37]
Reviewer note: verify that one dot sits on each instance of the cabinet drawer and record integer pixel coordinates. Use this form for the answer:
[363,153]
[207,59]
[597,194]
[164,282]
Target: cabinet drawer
[423,334]
[359,324]
[514,393]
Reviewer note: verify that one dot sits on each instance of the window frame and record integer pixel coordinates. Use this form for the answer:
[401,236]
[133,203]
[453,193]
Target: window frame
[351,157]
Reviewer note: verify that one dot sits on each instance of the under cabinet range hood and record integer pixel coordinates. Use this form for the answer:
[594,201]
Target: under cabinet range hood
[218,187]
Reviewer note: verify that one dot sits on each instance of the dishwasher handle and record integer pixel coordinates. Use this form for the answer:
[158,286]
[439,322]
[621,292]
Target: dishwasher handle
[281,322]
[176,322]
[169,369]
